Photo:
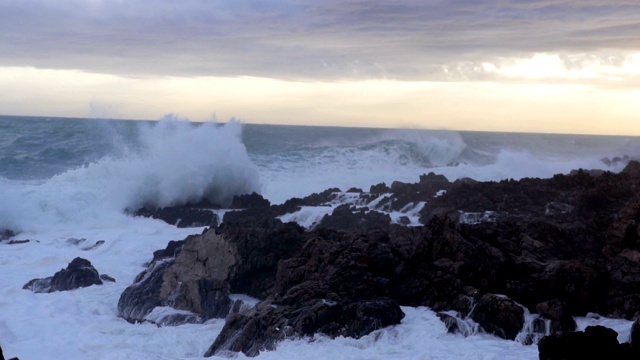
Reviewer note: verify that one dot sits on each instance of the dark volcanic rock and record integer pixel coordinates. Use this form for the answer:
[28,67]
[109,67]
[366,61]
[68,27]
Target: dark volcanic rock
[580,286]
[499,315]
[196,275]
[596,342]
[560,315]
[249,201]
[634,338]
[425,190]
[195,280]
[2,356]
[345,217]
[79,273]
[261,328]
[316,199]
[572,238]
[181,216]
[105,277]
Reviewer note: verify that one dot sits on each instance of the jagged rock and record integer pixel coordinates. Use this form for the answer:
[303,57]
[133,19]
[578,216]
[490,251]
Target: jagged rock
[105,277]
[261,328]
[450,322]
[381,188]
[345,217]
[181,216]
[139,299]
[596,342]
[196,275]
[17,242]
[249,201]
[94,246]
[248,216]
[573,282]
[573,238]
[425,190]
[39,285]
[634,338]
[499,315]
[2,356]
[171,251]
[79,273]
[560,315]
[195,280]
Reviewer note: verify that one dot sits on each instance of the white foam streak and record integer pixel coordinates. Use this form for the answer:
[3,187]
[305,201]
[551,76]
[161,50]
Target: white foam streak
[284,179]
[420,336]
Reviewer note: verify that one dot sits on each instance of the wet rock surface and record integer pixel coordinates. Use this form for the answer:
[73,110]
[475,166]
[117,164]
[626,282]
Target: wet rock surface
[262,327]
[182,216]
[558,247]
[3,358]
[595,342]
[196,274]
[78,274]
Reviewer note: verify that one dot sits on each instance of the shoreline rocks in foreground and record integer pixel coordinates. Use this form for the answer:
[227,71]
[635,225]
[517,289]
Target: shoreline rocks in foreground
[556,247]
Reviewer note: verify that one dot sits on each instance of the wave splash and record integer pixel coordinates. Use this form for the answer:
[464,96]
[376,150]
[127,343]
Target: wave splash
[171,162]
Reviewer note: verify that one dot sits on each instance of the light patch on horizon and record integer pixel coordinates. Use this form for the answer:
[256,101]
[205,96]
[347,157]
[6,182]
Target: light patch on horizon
[482,65]
[569,67]
[460,105]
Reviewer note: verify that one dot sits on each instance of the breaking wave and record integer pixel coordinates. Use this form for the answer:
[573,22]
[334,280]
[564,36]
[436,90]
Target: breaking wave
[171,162]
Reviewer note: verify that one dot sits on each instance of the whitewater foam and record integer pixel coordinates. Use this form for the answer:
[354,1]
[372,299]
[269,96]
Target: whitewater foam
[174,163]
[171,162]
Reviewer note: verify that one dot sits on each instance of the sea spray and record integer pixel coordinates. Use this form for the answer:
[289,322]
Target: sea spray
[83,324]
[172,162]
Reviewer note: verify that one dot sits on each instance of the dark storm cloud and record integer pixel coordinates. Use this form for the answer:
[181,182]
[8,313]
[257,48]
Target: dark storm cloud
[305,39]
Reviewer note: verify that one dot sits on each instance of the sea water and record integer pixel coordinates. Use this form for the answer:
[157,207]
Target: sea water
[66,184]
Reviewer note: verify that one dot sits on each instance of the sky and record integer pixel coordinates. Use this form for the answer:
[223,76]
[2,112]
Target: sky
[563,66]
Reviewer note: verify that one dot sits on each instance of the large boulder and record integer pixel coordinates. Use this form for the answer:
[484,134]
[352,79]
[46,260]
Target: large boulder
[260,329]
[196,275]
[595,342]
[195,279]
[559,314]
[78,274]
[499,315]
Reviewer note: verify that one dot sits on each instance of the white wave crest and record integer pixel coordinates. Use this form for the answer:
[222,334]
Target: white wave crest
[174,162]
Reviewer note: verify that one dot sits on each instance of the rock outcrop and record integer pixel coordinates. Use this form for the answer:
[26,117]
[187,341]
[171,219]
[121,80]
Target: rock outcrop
[78,274]
[181,216]
[260,329]
[595,342]
[195,275]
[2,356]
[558,247]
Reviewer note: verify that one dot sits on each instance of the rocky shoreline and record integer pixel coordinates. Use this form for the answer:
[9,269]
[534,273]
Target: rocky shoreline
[486,251]
[496,254]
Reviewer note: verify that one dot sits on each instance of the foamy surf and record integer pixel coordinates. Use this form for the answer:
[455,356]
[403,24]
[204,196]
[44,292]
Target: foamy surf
[171,163]
[84,196]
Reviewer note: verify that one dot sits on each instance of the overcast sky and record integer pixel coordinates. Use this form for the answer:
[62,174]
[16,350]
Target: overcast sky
[507,65]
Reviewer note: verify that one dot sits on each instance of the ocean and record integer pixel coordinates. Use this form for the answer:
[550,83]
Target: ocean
[68,183]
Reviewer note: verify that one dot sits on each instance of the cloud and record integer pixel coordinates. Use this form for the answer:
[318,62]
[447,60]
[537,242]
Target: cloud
[308,40]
